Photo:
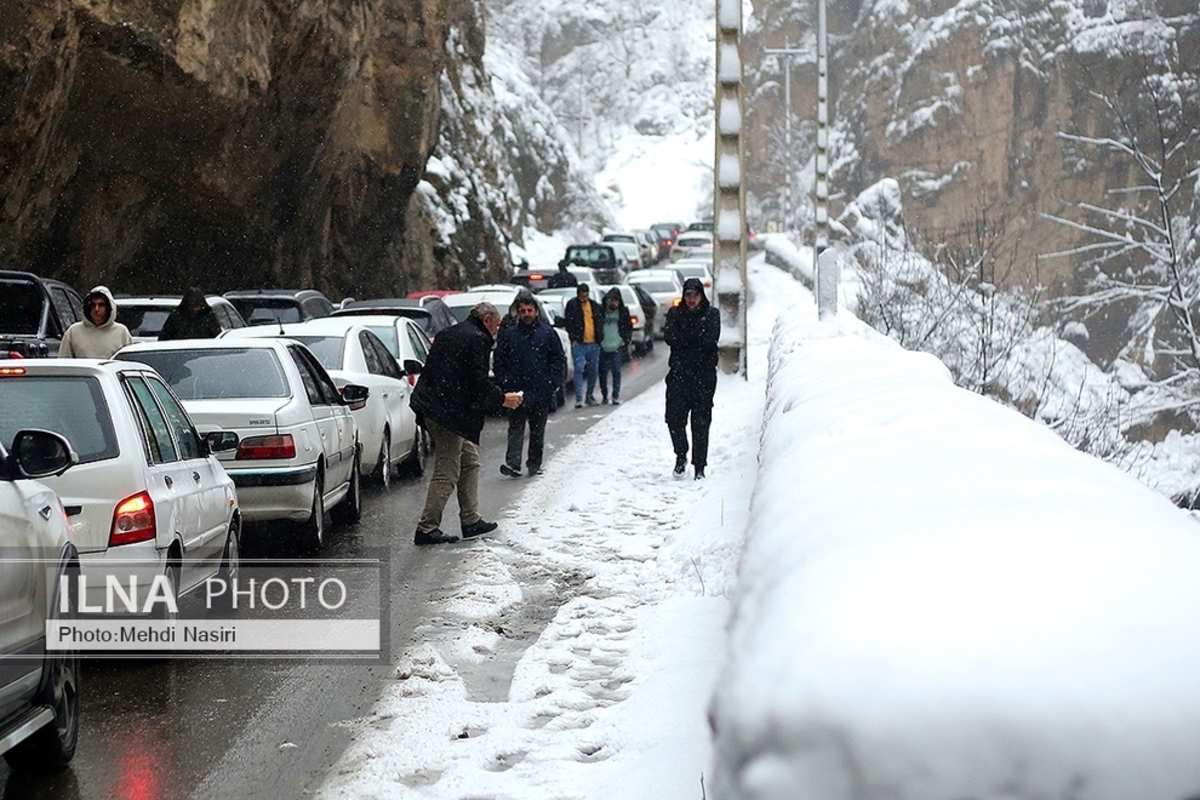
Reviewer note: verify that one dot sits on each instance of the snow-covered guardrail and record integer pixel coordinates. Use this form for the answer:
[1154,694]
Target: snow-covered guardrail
[940,599]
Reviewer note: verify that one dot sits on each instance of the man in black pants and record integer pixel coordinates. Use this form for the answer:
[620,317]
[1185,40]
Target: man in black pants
[692,332]
[529,358]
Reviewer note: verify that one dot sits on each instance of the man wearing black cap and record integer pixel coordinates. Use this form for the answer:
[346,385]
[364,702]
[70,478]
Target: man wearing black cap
[692,331]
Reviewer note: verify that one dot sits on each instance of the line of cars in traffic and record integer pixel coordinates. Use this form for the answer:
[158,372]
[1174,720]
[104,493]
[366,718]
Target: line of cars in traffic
[143,470]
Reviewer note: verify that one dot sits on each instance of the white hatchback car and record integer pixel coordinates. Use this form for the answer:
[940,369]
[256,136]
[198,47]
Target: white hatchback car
[148,496]
[351,353]
[298,451]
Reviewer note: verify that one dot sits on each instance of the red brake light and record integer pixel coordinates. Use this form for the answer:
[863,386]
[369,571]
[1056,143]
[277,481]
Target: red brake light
[133,520]
[254,448]
[537,276]
[12,372]
[676,301]
[633,320]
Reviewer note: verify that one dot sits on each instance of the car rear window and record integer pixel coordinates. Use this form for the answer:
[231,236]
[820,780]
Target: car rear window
[73,406]
[144,320]
[217,373]
[658,286]
[20,307]
[327,349]
[698,271]
[267,310]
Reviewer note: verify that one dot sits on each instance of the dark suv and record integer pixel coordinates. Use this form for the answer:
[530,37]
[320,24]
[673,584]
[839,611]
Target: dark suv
[279,306]
[35,312]
[600,257]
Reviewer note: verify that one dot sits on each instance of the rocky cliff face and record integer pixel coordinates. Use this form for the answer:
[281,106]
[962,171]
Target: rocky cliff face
[966,105]
[152,144]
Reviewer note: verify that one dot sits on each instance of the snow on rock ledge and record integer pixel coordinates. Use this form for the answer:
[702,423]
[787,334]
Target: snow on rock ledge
[940,599]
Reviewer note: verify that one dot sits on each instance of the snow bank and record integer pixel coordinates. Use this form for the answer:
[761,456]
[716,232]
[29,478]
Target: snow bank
[940,599]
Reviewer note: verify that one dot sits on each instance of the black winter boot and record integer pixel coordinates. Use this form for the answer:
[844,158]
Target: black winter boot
[680,464]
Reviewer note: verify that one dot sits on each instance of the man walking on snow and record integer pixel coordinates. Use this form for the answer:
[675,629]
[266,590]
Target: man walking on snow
[451,400]
[692,332]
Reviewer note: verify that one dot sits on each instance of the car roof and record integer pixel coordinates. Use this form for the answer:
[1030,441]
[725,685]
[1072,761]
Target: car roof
[651,274]
[295,293]
[324,326]
[222,342]
[384,302]
[73,366]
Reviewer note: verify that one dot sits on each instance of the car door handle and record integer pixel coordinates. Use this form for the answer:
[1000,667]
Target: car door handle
[196,476]
[169,482]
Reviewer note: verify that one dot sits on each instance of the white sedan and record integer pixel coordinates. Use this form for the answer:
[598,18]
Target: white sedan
[352,353]
[148,497]
[298,451]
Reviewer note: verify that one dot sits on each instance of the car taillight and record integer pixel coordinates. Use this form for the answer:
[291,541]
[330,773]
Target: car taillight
[254,448]
[133,520]
[676,301]
[12,372]
[633,320]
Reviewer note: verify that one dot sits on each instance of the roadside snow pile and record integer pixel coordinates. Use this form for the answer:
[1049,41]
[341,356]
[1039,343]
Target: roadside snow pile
[940,599]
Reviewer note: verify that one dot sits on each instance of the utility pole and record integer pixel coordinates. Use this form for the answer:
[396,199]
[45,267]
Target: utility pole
[787,51]
[827,265]
[729,190]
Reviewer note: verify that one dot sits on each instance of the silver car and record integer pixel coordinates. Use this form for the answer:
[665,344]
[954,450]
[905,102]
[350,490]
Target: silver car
[39,689]
[298,450]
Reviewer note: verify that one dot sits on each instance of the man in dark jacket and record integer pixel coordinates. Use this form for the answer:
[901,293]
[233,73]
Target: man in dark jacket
[617,332]
[563,278]
[583,320]
[692,332]
[193,318]
[451,401]
[529,358]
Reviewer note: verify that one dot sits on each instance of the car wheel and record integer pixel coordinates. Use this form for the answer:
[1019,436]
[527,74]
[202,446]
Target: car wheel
[312,533]
[414,463]
[383,471]
[231,564]
[349,510]
[52,746]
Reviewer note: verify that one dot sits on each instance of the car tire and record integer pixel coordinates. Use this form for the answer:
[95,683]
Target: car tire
[312,532]
[414,463]
[383,471]
[349,510]
[52,747]
[231,564]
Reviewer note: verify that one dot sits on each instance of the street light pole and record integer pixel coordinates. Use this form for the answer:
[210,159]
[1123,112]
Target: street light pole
[787,52]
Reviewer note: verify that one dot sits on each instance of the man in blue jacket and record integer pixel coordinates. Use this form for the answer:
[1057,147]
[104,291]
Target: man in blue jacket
[529,358]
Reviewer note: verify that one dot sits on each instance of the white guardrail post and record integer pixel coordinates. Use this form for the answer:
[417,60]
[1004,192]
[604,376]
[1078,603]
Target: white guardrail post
[729,193]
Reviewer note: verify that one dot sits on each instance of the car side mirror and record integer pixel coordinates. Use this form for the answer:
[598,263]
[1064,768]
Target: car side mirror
[355,396]
[221,441]
[412,366]
[41,454]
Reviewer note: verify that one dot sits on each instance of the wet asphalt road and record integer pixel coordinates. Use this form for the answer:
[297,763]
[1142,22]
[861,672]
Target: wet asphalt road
[270,728]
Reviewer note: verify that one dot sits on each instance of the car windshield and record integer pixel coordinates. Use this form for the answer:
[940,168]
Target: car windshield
[20,307]
[267,310]
[144,320]
[327,349]
[70,405]
[390,338]
[217,373]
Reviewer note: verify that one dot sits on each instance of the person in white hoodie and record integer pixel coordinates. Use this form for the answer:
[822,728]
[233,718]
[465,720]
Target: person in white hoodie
[98,335]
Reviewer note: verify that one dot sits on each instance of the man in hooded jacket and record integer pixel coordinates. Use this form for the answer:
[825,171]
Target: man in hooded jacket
[451,401]
[98,334]
[529,358]
[692,331]
[193,318]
